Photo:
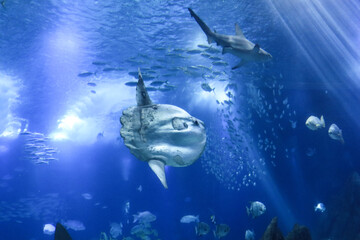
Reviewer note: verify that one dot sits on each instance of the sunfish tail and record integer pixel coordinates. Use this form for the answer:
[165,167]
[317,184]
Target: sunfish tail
[203,26]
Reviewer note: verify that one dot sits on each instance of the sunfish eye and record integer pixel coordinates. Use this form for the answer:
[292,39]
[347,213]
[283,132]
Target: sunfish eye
[179,124]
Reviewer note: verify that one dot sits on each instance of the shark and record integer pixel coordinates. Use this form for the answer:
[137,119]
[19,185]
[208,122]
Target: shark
[237,44]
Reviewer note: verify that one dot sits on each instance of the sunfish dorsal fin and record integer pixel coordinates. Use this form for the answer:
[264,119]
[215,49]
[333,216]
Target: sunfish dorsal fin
[142,96]
[158,168]
[238,31]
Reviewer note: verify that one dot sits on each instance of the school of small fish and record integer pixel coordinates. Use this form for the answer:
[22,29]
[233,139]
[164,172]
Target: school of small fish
[266,103]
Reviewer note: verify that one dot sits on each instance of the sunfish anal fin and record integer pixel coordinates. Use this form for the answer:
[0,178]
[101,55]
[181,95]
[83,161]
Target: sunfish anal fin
[142,96]
[158,168]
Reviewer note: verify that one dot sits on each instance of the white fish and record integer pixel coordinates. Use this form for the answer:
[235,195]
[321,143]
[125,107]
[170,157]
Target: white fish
[116,229]
[49,229]
[189,219]
[256,209]
[87,196]
[320,207]
[249,235]
[139,188]
[202,229]
[314,123]
[142,230]
[144,217]
[221,230]
[336,133]
[74,225]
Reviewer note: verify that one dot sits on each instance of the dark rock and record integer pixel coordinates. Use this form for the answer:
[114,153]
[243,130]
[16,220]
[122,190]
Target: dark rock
[299,233]
[342,218]
[272,231]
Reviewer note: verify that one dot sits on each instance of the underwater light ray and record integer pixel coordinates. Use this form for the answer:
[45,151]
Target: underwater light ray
[92,114]
[10,124]
[271,189]
[324,35]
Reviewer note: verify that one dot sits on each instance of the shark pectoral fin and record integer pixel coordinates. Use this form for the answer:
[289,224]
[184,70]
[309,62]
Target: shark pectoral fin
[256,48]
[240,64]
[158,168]
[238,31]
[225,50]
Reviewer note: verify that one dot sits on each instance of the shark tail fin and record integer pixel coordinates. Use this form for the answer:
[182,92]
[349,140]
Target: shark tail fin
[203,26]
[322,121]
[61,233]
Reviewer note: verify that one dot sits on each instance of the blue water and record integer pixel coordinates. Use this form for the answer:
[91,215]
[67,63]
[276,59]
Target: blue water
[254,152]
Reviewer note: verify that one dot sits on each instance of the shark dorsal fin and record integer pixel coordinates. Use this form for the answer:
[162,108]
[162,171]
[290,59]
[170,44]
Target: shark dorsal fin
[142,96]
[238,31]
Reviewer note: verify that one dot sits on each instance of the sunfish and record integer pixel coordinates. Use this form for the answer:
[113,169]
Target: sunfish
[161,134]
[237,44]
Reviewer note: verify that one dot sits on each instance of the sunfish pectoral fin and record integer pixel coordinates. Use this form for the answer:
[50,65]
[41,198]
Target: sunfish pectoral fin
[158,168]
[142,96]
[240,64]
[238,31]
